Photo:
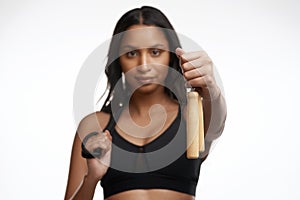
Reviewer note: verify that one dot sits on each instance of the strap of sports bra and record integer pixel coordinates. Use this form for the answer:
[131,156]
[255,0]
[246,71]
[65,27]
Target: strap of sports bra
[112,121]
[97,152]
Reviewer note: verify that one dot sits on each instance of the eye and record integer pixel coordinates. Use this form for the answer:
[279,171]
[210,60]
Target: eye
[155,52]
[131,54]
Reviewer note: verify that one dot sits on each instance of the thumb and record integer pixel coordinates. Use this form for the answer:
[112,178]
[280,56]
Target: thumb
[107,133]
[179,51]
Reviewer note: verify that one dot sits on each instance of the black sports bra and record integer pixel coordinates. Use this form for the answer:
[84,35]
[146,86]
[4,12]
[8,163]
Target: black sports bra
[152,166]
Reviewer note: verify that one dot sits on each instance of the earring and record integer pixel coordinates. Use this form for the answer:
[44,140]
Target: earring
[110,99]
[123,81]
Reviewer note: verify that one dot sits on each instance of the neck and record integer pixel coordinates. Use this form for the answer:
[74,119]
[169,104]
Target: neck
[141,103]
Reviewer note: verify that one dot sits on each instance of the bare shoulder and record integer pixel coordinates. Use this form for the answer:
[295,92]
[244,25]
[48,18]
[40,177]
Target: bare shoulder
[94,122]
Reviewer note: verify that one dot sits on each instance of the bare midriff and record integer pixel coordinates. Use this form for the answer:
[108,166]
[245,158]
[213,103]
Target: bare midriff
[150,194]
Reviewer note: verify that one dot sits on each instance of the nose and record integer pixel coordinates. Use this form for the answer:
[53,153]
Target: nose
[144,64]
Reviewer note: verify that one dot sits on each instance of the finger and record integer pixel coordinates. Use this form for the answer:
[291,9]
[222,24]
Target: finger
[94,145]
[198,72]
[106,158]
[183,56]
[195,73]
[106,148]
[198,82]
[199,62]
[203,81]
[189,56]
[98,143]
[179,51]
[107,133]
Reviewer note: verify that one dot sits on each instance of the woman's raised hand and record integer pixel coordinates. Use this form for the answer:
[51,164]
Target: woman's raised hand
[198,71]
[98,166]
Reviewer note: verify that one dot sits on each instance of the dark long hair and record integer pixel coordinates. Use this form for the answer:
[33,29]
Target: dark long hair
[145,15]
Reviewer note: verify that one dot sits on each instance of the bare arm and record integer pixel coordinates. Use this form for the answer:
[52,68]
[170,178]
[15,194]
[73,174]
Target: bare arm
[84,174]
[77,169]
[215,112]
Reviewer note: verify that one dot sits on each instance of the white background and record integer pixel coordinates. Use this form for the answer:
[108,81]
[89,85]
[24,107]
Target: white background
[254,45]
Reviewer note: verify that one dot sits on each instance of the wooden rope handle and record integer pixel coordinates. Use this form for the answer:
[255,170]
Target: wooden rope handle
[192,125]
[201,126]
[195,126]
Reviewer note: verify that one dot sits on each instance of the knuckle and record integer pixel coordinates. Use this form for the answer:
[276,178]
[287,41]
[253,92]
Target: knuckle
[199,72]
[185,66]
[209,80]
[202,52]
[186,74]
[209,61]
[193,63]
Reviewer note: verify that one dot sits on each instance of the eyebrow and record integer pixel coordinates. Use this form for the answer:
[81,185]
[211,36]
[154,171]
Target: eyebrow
[128,46]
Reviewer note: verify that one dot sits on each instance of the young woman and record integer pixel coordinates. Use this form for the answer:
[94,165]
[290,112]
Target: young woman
[139,133]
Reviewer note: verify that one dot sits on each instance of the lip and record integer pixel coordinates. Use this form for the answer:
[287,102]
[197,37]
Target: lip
[145,79]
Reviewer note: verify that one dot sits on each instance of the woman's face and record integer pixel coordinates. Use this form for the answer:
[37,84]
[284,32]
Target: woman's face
[144,57]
